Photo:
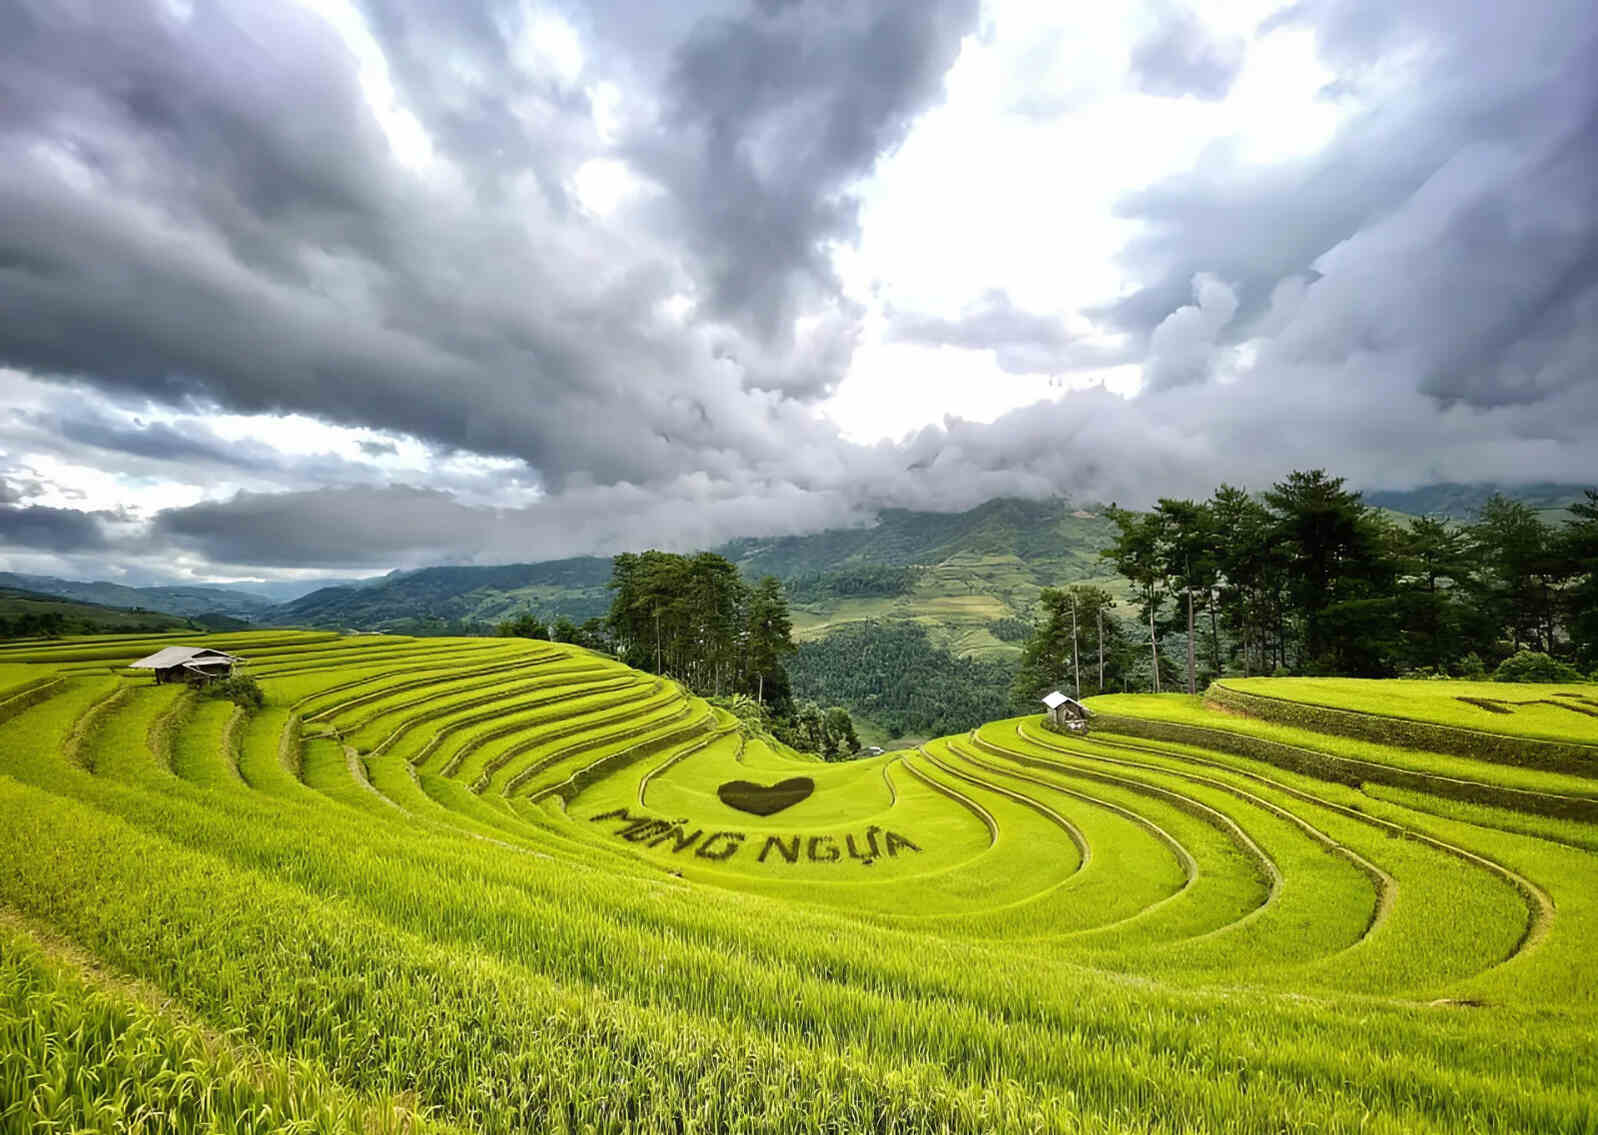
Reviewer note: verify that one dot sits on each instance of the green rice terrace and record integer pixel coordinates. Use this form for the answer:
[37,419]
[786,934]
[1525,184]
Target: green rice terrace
[505,885]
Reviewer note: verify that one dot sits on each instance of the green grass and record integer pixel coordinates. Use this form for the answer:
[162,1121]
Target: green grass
[451,886]
[80,1056]
[1183,709]
[1563,712]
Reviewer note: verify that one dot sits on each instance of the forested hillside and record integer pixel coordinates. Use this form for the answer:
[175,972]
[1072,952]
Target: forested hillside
[1030,531]
[28,614]
[445,600]
[1454,501]
[171,600]
[957,573]
[892,674]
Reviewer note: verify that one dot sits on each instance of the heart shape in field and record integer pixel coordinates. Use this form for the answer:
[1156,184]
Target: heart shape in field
[765,800]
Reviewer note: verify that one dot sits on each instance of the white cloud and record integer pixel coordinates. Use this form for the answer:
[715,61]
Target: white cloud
[1182,349]
[1015,181]
[602,184]
[572,266]
[407,137]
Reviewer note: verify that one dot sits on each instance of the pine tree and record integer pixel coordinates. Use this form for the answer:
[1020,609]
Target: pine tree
[768,639]
[1047,661]
[1136,555]
[1579,548]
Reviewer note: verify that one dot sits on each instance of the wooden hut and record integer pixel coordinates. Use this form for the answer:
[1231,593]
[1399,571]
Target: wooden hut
[1066,712]
[187,664]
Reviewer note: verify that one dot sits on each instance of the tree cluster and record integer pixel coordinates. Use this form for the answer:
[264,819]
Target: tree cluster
[591,633]
[524,625]
[30,624]
[866,581]
[1079,647]
[54,624]
[1010,629]
[696,619]
[240,689]
[1306,578]
[829,733]
[893,674]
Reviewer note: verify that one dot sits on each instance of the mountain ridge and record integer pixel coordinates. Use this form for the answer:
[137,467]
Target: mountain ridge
[174,599]
[1462,500]
[963,570]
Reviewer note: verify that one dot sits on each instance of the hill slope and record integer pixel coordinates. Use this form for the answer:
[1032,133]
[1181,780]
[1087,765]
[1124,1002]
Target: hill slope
[500,886]
[173,600]
[1030,531]
[441,596]
[81,618]
[1458,501]
[971,569]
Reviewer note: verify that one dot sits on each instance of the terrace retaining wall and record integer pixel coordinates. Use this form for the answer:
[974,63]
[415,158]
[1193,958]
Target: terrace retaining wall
[1404,732]
[1351,770]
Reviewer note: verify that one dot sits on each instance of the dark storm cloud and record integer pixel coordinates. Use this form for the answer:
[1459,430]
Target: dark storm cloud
[169,185]
[79,426]
[370,526]
[326,528]
[37,528]
[1480,287]
[209,208]
[1255,225]
[1023,342]
[185,443]
[773,114]
[1180,57]
[207,213]
[1448,224]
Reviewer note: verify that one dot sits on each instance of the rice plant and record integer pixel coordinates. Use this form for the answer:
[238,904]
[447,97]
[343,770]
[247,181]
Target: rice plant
[498,885]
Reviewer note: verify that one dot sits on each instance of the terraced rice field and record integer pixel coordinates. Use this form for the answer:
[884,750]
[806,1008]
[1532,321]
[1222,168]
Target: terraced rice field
[499,885]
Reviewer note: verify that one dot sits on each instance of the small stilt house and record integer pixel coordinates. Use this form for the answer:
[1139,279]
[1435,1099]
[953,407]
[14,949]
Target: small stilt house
[187,664]
[1066,712]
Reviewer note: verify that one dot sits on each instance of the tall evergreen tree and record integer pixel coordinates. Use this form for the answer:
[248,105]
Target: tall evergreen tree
[1522,571]
[1579,550]
[1189,564]
[1333,549]
[1047,661]
[1249,566]
[1136,554]
[768,639]
[1436,588]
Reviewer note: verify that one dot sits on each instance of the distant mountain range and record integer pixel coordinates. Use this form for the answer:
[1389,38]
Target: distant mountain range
[19,604]
[241,600]
[972,570]
[174,600]
[1464,501]
[1026,530]
[967,575]
[422,599]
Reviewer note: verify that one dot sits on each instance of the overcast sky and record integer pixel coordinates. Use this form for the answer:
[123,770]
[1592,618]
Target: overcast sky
[335,286]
